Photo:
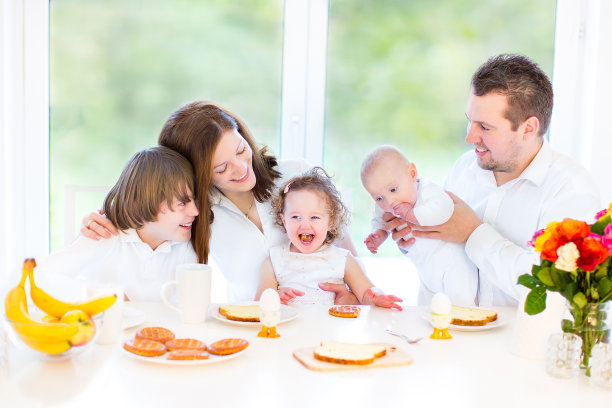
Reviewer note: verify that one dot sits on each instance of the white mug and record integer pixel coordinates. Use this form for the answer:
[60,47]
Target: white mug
[192,292]
[113,316]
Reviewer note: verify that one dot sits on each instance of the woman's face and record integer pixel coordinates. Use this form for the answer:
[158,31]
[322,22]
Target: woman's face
[233,164]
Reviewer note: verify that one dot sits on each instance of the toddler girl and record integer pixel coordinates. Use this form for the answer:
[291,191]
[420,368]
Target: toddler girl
[310,210]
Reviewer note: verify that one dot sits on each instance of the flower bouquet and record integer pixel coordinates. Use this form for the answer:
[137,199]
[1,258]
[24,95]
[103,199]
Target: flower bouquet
[575,261]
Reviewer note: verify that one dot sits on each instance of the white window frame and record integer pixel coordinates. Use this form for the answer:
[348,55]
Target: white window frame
[24,132]
[582,60]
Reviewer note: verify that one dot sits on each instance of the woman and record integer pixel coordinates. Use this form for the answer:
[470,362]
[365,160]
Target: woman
[234,181]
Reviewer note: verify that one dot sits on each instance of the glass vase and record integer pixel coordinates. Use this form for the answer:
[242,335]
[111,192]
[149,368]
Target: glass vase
[592,324]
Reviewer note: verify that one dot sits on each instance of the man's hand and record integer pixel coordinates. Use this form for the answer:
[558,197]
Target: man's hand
[399,229]
[457,229]
[286,294]
[343,296]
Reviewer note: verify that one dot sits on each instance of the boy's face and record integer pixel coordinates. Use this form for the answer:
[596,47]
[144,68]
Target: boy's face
[306,219]
[173,224]
[392,182]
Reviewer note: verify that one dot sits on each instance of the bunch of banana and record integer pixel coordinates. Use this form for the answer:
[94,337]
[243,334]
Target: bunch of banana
[57,308]
[50,338]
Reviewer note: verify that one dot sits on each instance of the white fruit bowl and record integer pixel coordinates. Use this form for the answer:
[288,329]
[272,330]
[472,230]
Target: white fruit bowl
[19,336]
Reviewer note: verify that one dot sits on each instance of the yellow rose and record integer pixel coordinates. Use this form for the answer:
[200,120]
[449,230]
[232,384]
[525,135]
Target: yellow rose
[568,255]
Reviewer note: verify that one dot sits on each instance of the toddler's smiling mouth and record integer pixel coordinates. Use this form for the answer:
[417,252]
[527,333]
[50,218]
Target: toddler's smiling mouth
[306,238]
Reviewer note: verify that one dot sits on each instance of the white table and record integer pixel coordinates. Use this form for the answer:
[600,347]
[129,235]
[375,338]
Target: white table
[474,369]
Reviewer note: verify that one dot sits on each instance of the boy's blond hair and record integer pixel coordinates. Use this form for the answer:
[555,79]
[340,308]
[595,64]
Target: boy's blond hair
[151,177]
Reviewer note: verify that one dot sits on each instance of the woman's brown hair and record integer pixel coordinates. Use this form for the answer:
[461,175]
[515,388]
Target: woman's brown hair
[194,130]
[150,177]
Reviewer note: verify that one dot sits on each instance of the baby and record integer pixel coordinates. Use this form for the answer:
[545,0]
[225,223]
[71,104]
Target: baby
[392,182]
[310,210]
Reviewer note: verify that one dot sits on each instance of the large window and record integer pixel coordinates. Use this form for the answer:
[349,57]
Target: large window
[120,67]
[399,71]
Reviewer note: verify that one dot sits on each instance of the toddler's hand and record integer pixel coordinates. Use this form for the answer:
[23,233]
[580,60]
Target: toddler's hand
[375,239]
[381,300]
[286,294]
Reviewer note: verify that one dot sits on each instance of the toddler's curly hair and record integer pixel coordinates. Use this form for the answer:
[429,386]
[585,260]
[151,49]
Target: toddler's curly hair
[316,180]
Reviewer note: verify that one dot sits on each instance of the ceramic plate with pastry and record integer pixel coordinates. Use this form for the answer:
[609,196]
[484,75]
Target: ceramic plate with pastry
[473,318]
[247,313]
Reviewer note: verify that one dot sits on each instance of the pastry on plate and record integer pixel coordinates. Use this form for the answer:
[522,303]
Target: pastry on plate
[344,311]
[240,313]
[469,316]
[186,344]
[227,346]
[144,347]
[188,354]
[159,334]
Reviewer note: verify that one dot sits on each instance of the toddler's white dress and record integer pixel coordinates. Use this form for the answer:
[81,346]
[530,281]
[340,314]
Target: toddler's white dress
[304,272]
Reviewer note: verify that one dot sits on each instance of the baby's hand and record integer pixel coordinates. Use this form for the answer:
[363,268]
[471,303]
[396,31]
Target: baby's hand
[381,300]
[286,294]
[404,210]
[375,239]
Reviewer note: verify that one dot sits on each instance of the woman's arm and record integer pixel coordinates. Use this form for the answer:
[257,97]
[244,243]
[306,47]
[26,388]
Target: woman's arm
[96,226]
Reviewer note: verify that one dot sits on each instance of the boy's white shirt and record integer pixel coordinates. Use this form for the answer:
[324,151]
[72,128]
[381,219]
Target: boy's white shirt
[123,260]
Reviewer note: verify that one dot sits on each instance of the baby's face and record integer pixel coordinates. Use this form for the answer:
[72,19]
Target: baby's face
[306,219]
[391,183]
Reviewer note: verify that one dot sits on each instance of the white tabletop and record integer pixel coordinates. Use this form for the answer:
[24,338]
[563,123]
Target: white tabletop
[474,369]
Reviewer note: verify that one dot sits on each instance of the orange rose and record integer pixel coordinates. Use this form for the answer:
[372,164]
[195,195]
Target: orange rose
[570,229]
[550,246]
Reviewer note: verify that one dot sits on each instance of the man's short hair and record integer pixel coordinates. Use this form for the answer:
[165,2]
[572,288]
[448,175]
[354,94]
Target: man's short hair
[528,89]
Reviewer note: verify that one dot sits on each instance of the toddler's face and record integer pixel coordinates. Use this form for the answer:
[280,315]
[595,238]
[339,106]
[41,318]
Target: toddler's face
[306,219]
[391,183]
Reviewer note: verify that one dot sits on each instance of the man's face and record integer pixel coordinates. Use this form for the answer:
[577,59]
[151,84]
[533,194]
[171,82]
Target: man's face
[497,146]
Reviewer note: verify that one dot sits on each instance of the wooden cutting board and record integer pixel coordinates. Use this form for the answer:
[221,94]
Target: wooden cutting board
[395,357]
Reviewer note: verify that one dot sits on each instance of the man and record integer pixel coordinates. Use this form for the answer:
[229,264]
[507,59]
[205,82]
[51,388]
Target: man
[512,184]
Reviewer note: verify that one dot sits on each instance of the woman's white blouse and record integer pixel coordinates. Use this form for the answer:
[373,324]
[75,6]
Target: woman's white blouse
[237,246]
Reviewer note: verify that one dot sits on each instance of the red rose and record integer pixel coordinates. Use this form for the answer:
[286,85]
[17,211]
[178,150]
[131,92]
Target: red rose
[592,253]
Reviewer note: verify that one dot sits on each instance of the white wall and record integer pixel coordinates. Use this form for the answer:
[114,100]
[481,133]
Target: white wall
[582,82]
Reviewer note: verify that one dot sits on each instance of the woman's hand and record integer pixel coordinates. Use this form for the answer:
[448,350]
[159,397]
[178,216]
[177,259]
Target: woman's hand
[377,298]
[286,294]
[96,226]
[343,296]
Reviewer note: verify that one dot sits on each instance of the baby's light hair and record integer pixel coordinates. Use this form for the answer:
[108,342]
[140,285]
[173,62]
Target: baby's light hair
[151,177]
[316,180]
[376,155]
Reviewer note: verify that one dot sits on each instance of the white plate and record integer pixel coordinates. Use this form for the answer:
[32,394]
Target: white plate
[287,313]
[132,317]
[502,319]
[164,360]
